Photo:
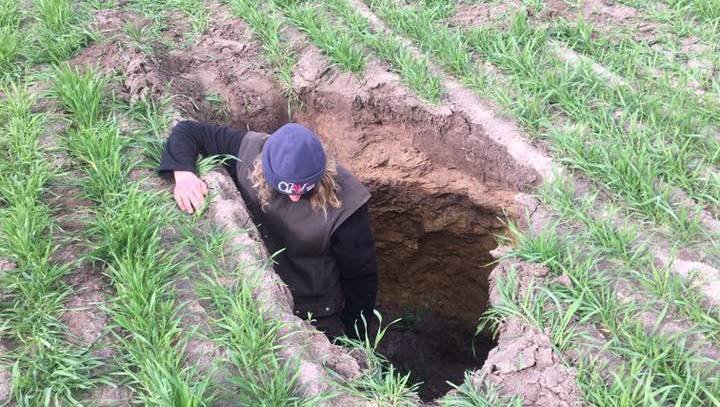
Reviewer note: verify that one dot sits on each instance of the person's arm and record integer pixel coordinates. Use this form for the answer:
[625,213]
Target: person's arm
[353,246]
[187,140]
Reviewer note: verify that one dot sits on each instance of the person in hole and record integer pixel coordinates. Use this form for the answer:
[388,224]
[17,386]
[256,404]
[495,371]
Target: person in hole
[304,204]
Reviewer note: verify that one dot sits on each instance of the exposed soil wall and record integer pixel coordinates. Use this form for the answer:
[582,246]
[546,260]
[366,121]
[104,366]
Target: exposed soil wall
[433,250]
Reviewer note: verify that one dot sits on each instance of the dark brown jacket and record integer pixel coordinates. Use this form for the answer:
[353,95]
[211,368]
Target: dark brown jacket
[301,235]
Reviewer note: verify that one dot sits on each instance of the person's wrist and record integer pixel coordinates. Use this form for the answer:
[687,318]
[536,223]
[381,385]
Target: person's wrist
[181,175]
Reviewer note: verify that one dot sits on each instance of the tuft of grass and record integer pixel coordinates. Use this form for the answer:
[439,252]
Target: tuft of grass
[9,53]
[545,247]
[258,375]
[161,10]
[468,395]
[335,41]
[10,13]
[101,151]
[155,122]
[10,44]
[81,94]
[58,32]
[380,382]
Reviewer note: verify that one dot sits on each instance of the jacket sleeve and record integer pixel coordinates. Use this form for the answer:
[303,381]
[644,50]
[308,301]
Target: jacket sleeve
[353,246]
[188,139]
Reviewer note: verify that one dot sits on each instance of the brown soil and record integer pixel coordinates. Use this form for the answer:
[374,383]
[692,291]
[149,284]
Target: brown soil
[477,14]
[433,250]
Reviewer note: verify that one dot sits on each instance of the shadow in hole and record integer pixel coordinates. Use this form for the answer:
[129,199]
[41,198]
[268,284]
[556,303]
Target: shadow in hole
[432,348]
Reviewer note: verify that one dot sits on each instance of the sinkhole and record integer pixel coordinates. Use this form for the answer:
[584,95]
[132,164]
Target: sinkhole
[434,261]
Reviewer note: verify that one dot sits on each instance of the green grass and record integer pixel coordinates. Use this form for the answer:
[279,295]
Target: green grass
[10,44]
[154,125]
[649,68]
[9,52]
[643,141]
[81,94]
[161,11]
[677,25]
[125,237]
[467,395]
[253,372]
[615,236]
[10,13]
[677,373]
[256,375]
[630,166]
[335,41]
[142,269]
[650,145]
[58,32]
[641,164]
[380,383]
[705,13]
[343,34]
[48,31]
[414,70]
[46,368]
[656,368]
[658,83]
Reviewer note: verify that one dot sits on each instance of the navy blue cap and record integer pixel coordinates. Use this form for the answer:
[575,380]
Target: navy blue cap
[293,159]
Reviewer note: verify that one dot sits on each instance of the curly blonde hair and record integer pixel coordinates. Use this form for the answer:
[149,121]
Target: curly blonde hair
[322,197]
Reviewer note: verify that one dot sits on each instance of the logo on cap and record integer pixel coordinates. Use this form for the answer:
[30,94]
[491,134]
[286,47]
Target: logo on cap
[291,188]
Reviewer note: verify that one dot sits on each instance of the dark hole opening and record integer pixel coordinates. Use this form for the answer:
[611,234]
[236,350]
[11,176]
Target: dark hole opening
[433,252]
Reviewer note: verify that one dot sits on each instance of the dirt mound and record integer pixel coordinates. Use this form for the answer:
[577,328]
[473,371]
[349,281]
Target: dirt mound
[525,362]
[226,63]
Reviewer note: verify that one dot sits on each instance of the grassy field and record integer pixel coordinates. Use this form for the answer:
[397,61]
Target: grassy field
[633,114]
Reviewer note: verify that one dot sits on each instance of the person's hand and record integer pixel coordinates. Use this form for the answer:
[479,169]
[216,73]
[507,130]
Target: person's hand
[190,191]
